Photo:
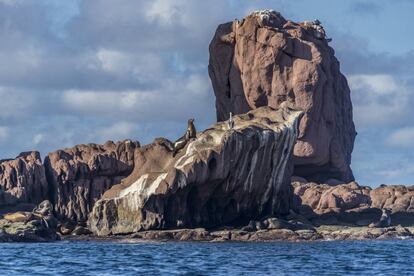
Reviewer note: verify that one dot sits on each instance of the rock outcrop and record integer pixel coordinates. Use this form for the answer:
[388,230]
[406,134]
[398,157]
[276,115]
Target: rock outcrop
[78,176]
[224,176]
[23,180]
[37,226]
[352,203]
[265,60]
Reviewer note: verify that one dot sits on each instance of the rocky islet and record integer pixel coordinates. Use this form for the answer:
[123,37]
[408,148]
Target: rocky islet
[293,117]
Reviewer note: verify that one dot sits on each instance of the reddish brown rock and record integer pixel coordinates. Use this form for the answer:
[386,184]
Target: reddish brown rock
[23,180]
[78,176]
[353,203]
[224,176]
[264,60]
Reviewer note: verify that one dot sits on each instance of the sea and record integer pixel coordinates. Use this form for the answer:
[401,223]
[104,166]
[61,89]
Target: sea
[391,257]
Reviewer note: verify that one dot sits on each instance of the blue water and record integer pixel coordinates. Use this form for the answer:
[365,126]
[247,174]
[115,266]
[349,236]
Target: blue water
[197,258]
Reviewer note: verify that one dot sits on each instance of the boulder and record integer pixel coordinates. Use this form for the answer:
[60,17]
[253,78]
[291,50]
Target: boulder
[79,176]
[37,226]
[23,180]
[265,60]
[81,230]
[224,176]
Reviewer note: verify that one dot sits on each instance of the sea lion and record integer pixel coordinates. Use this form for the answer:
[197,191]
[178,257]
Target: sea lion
[181,142]
[385,220]
[65,229]
[191,130]
[19,216]
[45,208]
[44,212]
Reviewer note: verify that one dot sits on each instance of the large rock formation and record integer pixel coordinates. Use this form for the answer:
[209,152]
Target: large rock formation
[78,176]
[352,203]
[264,60]
[224,176]
[22,180]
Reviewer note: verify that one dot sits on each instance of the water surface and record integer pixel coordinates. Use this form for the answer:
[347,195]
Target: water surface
[202,258]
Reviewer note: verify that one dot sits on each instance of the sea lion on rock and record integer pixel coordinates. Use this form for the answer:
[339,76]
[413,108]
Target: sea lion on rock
[191,130]
[385,220]
[64,229]
[18,216]
[190,133]
[44,212]
[45,208]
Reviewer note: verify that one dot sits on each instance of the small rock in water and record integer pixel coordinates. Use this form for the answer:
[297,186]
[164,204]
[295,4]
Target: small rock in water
[81,230]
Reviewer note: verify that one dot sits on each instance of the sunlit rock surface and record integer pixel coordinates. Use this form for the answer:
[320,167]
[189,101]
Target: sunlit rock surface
[22,180]
[224,176]
[79,176]
[337,202]
[265,60]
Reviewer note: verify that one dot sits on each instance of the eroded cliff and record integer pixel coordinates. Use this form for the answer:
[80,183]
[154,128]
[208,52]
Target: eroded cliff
[78,176]
[223,176]
[23,180]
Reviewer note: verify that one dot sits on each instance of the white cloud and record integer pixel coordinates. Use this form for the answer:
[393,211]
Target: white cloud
[113,60]
[379,84]
[14,103]
[379,100]
[117,131]
[98,102]
[4,133]
[143,67]
[174,100]
[403,137]
[38,138]
[402,172]
[164,11]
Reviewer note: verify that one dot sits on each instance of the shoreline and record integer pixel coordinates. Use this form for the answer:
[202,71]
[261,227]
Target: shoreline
[321,233]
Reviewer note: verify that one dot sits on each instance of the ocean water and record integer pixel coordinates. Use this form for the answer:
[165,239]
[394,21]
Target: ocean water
[201,258]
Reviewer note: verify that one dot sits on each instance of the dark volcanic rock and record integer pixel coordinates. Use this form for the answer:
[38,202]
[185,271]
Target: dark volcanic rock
[78,176]
[223,176]
[23,180]
[265,60]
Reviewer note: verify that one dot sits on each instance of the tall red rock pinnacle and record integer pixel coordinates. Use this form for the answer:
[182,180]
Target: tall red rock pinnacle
[264,60]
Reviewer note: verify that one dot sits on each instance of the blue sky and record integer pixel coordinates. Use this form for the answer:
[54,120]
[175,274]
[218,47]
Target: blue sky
[88,71]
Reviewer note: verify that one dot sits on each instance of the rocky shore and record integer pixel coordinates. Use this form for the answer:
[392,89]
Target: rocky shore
[321,233]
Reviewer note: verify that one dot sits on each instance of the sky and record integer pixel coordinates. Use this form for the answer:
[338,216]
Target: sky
[85,71]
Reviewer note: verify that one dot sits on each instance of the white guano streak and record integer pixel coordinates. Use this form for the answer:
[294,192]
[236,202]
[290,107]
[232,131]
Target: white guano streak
[140,190]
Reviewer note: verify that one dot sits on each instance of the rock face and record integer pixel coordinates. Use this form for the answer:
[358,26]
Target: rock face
[224,176]
[78,176]
[353,203]
[265,60]
[23,180]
